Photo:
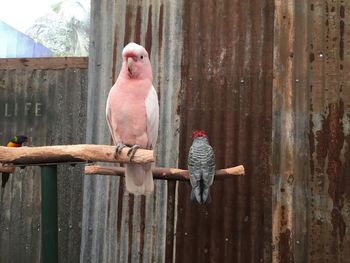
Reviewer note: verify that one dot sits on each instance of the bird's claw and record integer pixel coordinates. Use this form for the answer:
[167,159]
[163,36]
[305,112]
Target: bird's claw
[118,149]
[132,151]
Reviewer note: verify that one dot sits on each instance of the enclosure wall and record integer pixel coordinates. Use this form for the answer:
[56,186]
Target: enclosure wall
[46,100]
[212,68]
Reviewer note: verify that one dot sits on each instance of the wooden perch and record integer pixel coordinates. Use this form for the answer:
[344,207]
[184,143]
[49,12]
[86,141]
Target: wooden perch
[163,173]
[70,153]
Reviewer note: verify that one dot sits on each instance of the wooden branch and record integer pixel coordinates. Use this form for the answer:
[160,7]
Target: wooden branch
[70,153]
[164,173]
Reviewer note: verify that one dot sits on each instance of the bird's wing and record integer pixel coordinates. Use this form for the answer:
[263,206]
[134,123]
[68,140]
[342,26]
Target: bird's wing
[194,167]
[152,111]
[209,172]
[108,116]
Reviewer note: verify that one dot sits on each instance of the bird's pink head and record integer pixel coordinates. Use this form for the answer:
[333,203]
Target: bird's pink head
[136,62]
[199,133]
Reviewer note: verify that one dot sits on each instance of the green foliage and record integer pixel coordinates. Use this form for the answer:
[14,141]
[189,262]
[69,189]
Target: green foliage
[66,29]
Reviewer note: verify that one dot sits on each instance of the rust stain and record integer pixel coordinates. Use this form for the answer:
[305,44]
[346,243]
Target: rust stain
[329,144]
[335,144]
[142,226]
[120,211]
[347,164]
[284,220]
[130,226]
[148,44]
[312,57]
[169,245]
[321,137]
[285,244]
[341,42]
[127,30]
[160,31]
[334,170]
[114,55]
[311,144]
[342,12]
[137,33]
[160,45]
[339,229]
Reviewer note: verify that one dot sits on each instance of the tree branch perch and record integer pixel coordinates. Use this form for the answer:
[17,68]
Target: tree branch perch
[70,153]
[164,173]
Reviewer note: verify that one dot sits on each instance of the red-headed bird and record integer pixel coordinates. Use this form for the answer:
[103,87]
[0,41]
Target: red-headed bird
[16,141]
[201,167]
[133,115]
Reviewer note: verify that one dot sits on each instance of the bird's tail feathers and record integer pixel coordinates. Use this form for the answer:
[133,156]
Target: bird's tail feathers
[201,195]
[206,197]
[139,179]
[193,196]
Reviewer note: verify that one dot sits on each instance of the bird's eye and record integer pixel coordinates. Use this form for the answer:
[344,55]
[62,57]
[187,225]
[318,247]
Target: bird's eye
[141,57]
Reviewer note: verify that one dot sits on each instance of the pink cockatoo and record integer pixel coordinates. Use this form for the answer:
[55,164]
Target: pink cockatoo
[133,115]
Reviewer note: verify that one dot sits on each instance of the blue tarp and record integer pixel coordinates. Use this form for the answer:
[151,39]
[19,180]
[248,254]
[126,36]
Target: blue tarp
[15,44]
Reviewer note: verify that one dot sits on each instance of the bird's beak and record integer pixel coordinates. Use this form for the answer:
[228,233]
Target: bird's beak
[130,61]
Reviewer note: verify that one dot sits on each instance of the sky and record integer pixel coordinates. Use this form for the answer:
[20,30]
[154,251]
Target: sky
[21,14]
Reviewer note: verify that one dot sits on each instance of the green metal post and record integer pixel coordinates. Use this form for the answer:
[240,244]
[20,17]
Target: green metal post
[49,229]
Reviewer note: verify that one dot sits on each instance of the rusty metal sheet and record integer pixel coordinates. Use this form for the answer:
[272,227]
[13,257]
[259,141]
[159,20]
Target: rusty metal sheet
[213,67]
[311,132]
[226,86]
[46,100]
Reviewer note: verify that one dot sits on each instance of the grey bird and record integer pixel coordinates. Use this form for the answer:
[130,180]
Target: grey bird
[201,167]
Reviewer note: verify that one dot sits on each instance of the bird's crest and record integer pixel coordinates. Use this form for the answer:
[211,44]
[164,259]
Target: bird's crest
[199,133]
[134,49]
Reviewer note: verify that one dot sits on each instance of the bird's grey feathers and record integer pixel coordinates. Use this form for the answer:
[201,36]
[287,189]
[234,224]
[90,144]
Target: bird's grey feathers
[201,167]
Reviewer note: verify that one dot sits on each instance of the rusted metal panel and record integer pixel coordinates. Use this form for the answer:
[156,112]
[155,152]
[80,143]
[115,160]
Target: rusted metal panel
[118,227]
[310,132]
[49,105]
[329,238]
[213,67]
[283,138]
[226,86]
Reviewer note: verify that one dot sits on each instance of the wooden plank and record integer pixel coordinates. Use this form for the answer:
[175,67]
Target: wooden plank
[44,63]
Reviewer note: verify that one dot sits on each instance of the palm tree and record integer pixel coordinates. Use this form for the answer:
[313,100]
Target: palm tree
[65,29]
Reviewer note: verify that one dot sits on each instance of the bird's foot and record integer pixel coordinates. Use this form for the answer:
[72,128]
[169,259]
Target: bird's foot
[132,151]
[118,149]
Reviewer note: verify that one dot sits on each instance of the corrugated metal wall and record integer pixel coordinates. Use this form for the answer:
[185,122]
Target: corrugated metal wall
[213,67]
[215,76]
[311,129]
[46,100]
[118,227]
[227,85]
[268,80]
